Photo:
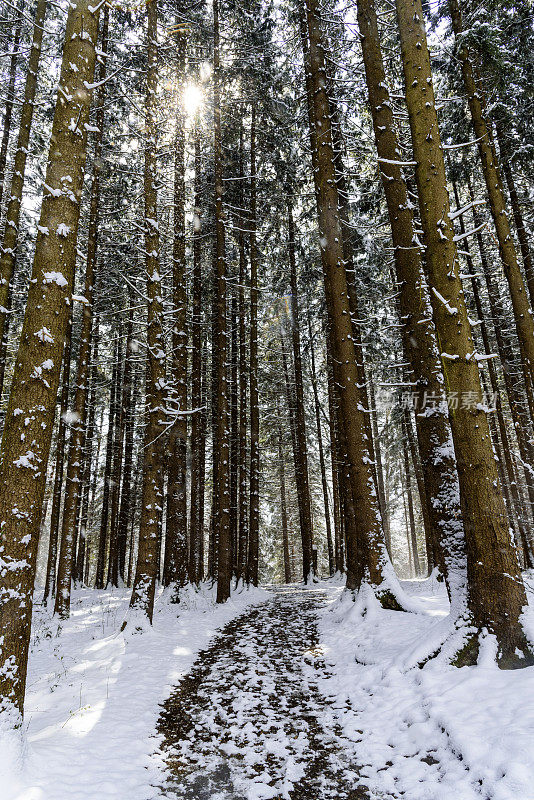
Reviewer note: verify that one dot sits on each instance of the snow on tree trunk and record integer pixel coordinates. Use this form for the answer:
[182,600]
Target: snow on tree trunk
[30,412]
[496,594]
[142,600]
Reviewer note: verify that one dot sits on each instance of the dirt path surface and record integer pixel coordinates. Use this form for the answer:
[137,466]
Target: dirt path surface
[248,721]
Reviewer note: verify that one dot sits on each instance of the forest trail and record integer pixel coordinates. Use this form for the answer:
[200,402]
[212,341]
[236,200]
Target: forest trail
[248,720]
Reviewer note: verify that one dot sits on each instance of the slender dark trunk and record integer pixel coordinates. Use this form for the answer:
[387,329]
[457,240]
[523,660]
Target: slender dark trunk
[196,524]
[10,101]
[147,568]
[104,518]
[409,500]
[8,250]
[128,422]
[329,542]
[175,563]
[242,458]
[57,494]
[116,470]
[254,482]
[301,454]
[283,503]
[221,522]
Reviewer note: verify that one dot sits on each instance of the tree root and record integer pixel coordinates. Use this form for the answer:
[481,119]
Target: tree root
[387,600]
[466,651]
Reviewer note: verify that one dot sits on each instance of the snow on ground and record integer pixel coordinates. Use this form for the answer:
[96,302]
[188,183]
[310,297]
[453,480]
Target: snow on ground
[437,733]
[93,695]
[249,724]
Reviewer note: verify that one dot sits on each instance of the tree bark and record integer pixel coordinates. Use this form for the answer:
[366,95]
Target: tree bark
[110,438]
[30,412]
[234,433]
[254,482]
[283,504]
[418,332]
[509,482]
[526,255]
[373,413]
[516,401]
[242,458]
[118,451]
[78,426]
[10,101]
[57,493]
[129,425]
[142,600]
[176,551]
[196,525]
[430,542]
[524,321]
[83,556]
[329,542]
[221,522]
[369,545]
[335,465]
[409,497]
[496,594]
[301,462]
[11,229]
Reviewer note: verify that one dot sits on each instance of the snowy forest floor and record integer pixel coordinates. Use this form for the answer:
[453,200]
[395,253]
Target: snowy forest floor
[249,720]
[289,693]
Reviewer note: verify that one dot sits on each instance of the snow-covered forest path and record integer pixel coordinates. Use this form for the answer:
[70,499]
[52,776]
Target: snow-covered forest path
[248,720]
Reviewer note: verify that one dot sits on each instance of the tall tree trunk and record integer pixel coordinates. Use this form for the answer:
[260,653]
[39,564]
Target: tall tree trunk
[142,600]
[234,433]
[57,493]
[116,471]
[94,480]
[291,412]
[496,594]
[329,542]
[373,413]
[195,524]
[176,553]
[254,481]
[369,545]
[301,463]
[10,101]
[430,542]
[242,458]
[283,503]
[516,401]
[78,426]
[202,463]
[83,554]
[128,406]
[506,463]
[110,438]
[350,539]
[524,321]
[418,333]
[30,412]
[409,499]
[221,521]
[335,465]
[11,229]
[522,235]
[131,522]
